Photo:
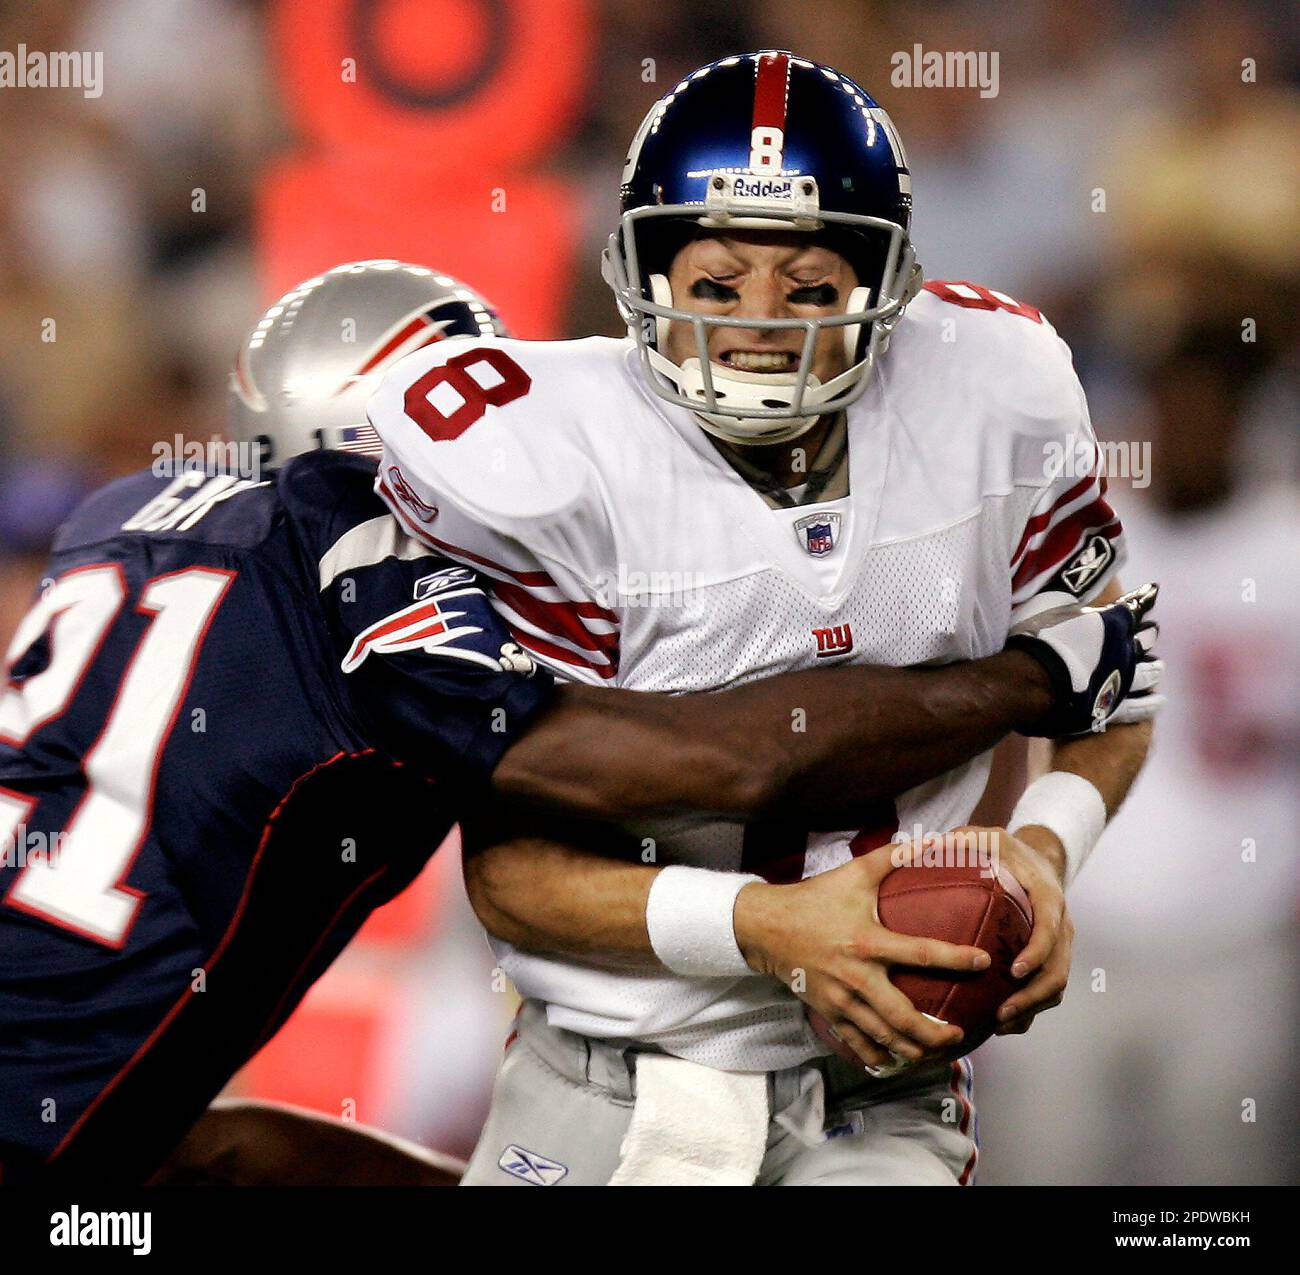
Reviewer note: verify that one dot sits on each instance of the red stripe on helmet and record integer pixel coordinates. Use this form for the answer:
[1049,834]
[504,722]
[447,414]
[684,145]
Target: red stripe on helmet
[389,346]
[244,380]
[770,90]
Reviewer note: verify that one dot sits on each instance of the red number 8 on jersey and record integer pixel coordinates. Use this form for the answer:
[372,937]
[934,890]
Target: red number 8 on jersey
[447,415]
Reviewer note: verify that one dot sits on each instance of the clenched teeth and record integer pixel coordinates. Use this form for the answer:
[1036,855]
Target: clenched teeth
[761,361]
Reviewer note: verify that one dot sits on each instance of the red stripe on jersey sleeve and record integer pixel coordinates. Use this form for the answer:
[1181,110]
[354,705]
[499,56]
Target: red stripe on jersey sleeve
[978,297]
[560,619]
[529,579]
[1039,521]
[540,646]
[1097,518]
[534,579]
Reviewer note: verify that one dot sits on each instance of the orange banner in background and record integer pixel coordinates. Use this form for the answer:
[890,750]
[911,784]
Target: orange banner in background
[513,239]
[426,125]
[486,82]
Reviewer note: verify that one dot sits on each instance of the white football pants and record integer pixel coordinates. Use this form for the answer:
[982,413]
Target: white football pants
[563,1103]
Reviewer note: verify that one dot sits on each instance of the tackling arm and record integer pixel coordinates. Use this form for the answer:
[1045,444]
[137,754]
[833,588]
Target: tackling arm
[541,895]
[817,745]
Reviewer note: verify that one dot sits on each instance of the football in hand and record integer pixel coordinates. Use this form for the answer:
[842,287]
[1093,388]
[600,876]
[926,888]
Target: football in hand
[979,906]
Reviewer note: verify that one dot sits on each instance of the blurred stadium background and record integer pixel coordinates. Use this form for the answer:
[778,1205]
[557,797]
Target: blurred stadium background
[1134,176]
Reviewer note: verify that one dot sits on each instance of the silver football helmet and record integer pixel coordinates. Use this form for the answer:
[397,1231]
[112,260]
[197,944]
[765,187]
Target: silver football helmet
[308,366]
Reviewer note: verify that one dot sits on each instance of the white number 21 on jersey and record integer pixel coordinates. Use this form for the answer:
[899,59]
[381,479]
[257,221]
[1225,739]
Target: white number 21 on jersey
[79,885]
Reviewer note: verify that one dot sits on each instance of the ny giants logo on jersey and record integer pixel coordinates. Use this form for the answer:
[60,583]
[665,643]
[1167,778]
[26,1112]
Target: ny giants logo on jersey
[837,640]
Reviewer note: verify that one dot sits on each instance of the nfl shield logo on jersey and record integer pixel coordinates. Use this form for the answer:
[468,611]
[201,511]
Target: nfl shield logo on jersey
[818,532]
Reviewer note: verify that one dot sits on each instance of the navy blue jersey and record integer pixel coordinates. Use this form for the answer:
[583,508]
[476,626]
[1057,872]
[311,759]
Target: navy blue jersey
[238,718]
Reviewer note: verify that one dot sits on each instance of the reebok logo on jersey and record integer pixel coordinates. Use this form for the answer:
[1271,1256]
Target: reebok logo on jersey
[837,640]
[530,1167]
[401,489]
[448,577]
[1087,565]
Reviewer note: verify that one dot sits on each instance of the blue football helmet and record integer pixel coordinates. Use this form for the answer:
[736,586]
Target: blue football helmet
[775,142]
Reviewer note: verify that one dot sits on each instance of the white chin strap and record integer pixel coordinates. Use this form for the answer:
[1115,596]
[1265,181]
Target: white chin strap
[739,389]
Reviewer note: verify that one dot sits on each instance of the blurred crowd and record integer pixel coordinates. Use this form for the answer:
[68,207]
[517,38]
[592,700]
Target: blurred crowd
[1137,177]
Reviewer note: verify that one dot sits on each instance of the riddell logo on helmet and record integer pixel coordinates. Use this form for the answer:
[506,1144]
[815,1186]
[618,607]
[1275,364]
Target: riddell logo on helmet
[762,187]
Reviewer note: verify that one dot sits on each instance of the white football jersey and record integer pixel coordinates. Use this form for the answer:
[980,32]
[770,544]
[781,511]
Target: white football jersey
[626,551]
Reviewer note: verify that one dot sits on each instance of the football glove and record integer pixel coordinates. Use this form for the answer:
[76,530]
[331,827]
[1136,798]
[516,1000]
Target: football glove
[1099,659]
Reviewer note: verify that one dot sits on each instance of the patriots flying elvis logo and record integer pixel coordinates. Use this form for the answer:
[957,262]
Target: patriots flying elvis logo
[429,625]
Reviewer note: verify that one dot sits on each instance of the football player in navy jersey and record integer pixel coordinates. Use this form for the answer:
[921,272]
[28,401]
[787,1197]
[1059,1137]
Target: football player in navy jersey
[246,708]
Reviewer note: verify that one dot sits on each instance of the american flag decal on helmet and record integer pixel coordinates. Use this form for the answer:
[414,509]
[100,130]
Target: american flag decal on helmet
[429,626]
[363,440]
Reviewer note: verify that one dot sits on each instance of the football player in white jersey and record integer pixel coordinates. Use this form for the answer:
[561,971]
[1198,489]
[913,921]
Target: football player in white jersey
[750,485]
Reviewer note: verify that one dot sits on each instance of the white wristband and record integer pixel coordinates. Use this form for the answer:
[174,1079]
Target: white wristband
[1068,805]
[689,918]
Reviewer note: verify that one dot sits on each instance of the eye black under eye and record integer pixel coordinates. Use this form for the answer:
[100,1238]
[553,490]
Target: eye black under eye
[818,294]
[711,290]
